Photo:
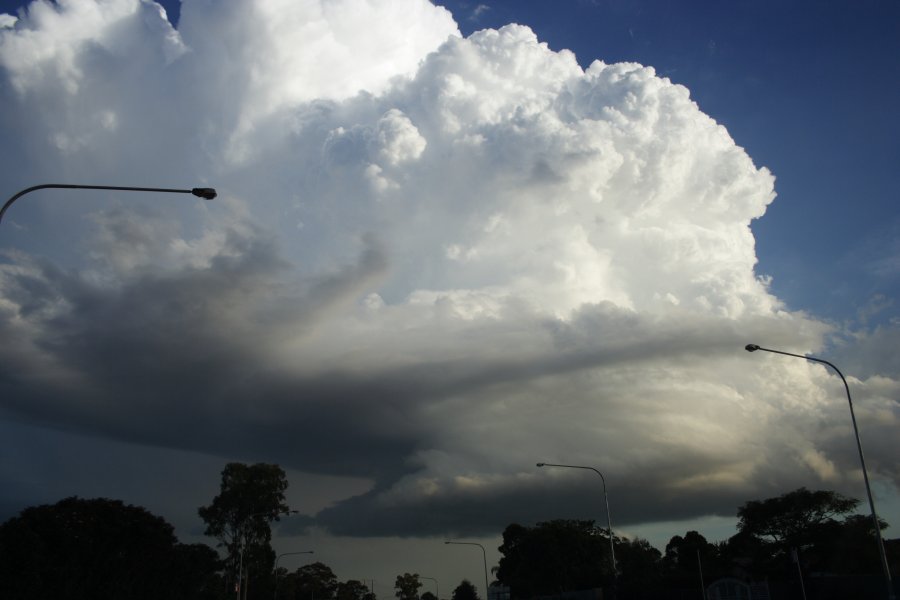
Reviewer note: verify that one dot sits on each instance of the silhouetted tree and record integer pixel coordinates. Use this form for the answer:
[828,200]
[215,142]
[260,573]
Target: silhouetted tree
[812,525]
[746,556]
[198,571]
[465,591]
[407,586]
[892,551]
[554,557]
[792,519]
[846,547]
[560,556]
[682,552]
[639,569]
[250,497]
[315,581]
[99,549]
[686,556]
[428,596]
[353,589]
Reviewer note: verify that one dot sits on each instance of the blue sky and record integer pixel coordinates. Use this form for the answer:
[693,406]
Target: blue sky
[436,261]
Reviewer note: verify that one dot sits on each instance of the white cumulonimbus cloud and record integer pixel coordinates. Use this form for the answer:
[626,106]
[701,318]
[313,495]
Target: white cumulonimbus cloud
[434,261]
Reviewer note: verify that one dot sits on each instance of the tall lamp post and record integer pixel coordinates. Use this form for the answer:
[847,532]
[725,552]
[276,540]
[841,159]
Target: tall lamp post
[862,459]
[275,569]
[612,551]
[205,193]
[437,593]
[484,556]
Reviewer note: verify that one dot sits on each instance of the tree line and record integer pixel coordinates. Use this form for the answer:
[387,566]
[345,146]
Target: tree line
[784,541]
[102,548]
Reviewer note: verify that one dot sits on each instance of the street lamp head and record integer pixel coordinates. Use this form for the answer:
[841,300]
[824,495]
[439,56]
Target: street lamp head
[751,347]
[541,464]
[205,193]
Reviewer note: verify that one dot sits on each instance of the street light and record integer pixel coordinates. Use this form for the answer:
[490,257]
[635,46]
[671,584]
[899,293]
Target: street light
[612,551]
[205,193]
[484,555]
[275,569]
[862,459]
[437,594]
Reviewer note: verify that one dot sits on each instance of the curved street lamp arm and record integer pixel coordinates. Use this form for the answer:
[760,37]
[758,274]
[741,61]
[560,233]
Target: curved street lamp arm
[277,558]
[205,193]
[484,556]
[603,479]
[437,593]
[612,552]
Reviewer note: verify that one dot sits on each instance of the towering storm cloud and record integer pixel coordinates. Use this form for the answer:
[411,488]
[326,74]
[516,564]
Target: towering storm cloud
[434,261]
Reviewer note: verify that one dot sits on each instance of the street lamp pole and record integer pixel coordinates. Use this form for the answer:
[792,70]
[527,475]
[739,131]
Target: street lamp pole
[275,569]
[205,193]
[484,555]
[862,459]
[612,551]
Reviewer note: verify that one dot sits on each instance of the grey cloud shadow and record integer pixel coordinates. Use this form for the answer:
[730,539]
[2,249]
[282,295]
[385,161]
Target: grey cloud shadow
[170,359]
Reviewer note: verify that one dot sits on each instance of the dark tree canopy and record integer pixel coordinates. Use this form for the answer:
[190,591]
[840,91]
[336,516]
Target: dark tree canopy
[561,556]
[687,555]
[639,567]
[353,589]
[553,557]
[682,552]
[316,580]
[198,571]
[790,519]
[813,526]
[406,587]
[98,549]
[103,549]
[465,591]
[250,497]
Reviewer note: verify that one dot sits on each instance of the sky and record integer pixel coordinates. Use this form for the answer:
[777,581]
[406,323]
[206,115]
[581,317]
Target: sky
[452,240]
